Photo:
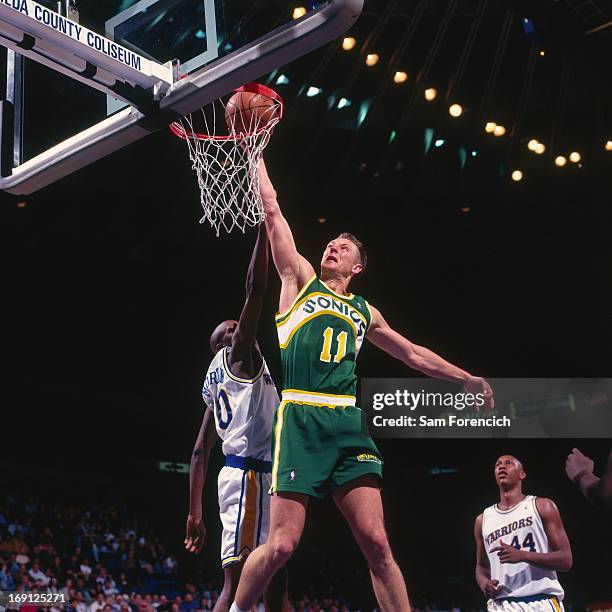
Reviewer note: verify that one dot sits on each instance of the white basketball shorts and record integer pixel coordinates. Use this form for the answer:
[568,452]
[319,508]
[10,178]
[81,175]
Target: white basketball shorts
[244,507]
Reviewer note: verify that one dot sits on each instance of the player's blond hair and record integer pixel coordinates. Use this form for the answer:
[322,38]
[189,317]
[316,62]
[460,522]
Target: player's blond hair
[363,255]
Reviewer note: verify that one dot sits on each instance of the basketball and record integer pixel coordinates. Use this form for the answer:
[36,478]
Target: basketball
[245,111]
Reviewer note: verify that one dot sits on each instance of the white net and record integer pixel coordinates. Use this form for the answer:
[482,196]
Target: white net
[225,147]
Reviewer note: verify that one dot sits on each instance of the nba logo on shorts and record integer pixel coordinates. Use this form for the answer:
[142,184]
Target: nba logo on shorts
[292,475]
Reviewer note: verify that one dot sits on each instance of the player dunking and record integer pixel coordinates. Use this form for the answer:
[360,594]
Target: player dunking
[240,397]
[319,448]
[521,544]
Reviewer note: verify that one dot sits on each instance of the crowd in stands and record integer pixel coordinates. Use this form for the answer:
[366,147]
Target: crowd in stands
[101,560]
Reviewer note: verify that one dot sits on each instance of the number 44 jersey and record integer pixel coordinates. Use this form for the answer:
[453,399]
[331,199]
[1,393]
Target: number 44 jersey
[521,527]
[243,408]
[320,337]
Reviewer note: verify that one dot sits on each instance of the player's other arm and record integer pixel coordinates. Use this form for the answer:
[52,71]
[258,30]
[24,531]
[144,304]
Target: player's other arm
[422,359]
[243,338]
[293,269]
[560,556]
[580,469]
[207,437]
[490,588]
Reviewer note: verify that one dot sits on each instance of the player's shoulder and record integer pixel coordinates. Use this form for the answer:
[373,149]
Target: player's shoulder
[545,506]
[218,358]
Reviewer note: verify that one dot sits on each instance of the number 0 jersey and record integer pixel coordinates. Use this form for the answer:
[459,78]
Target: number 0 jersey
[320,337]
[521,527]
[243,408]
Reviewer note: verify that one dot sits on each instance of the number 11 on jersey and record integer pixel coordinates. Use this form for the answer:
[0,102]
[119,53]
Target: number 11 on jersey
[328,336]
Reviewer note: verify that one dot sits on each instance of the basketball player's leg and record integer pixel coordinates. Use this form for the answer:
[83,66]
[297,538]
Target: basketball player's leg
[287,516]
[361,504]
[276,596]
[231,578]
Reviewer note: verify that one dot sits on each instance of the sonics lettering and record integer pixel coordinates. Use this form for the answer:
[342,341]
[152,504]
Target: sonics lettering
[327,303]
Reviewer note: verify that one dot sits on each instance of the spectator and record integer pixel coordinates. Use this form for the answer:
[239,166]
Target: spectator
[36,574]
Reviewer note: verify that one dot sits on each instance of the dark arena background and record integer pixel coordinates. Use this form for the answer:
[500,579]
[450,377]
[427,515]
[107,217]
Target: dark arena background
[111,289]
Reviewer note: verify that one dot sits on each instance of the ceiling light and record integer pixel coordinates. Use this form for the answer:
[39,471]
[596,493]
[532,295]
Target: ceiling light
[299,11]
[575,157]
[608,145]
[456,110]
[532,145]
[400,77]
[348,43]
[431,94]
[540,149]
[311,92]
[372,59]
[499,130]
[560,161]
[490,127]
[517,176]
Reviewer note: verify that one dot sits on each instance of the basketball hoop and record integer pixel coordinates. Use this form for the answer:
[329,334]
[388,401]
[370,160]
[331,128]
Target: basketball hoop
[226,140]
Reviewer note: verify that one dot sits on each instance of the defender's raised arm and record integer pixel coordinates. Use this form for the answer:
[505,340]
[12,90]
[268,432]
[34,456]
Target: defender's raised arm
[293,269]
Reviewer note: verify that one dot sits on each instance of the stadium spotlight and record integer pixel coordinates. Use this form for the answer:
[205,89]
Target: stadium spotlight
[575,157]
[560,161]
[517,176]
[490,127]
[311,92]
[455,110]
[348,43]
[532,145]
[608,145]
[299,11]
[431,94]
[499,130]
[400,77]
[372,59]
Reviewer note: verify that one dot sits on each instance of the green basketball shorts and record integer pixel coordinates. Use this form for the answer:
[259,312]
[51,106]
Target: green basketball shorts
[318,447]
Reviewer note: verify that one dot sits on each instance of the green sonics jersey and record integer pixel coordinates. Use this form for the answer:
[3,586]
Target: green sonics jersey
[320,337]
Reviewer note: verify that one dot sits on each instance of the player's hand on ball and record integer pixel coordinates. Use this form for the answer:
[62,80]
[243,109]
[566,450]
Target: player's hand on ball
[195,532]
[492,588]
[478,385]
[578,464]
[509,554]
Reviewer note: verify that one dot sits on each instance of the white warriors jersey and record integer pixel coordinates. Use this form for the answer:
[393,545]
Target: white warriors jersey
[243,408]
[521,527]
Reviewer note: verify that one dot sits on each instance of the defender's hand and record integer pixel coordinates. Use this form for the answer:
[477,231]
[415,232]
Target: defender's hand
[578,464]
[492,588]
[478,385]
[509,554]
[195,532]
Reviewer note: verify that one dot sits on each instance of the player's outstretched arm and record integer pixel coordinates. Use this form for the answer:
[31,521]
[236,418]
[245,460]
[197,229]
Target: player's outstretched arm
[293,269]
[490,588]
[195,531]
[243,339]
[580,469]
[560,556]
[422,359]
